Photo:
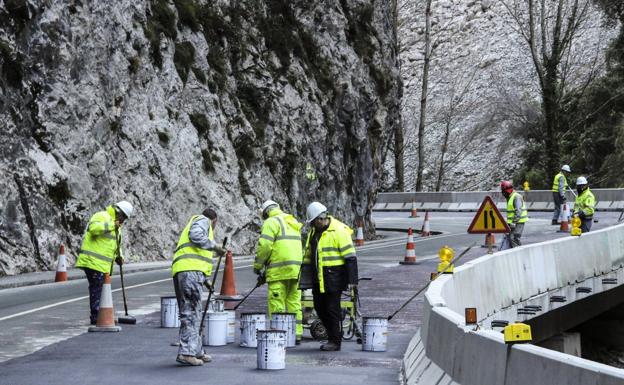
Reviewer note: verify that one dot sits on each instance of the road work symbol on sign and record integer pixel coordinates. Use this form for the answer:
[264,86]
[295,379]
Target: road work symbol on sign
[488,219]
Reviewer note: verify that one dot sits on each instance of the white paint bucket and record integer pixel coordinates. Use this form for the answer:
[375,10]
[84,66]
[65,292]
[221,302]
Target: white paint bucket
[216,329]
[249,324]
[169,317]
[287,322]
[231,326]
[374,334]
[271,350]
[216,305]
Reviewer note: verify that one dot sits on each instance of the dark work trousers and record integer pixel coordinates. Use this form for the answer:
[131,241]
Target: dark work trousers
[327,306]
[558,200]
[586,224]
[96,280]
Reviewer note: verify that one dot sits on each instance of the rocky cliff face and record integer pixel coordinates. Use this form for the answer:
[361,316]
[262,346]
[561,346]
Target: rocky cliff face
[176,105]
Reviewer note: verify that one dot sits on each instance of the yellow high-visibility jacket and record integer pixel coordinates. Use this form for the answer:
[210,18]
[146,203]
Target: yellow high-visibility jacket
[511,210]
[585,202]
[279,247]
[188,256]
[101,243]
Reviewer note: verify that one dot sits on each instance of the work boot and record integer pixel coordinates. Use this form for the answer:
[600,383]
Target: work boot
[554,222]
[330,347]
[189,360]
[205,358]
[298,341]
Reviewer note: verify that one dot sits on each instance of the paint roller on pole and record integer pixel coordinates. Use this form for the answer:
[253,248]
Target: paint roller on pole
[261,281]
[211,290]
[428,283]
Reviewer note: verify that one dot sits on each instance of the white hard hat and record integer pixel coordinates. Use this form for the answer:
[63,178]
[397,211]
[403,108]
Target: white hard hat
[581,180]
[268,204]
[566,168]
[314,210]
[125,207]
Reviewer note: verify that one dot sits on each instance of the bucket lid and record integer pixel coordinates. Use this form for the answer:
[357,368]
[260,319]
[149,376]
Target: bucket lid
[283,313]
[254,313]
[168,297]
[270,330]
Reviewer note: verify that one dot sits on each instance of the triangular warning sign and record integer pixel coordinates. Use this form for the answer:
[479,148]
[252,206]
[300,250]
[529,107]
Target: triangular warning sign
[488,219]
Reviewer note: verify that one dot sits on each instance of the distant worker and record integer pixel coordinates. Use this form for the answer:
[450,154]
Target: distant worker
[330,252]
[559,188]
[585,204]
[517,214]
[278,261]
[101,246]
[191,269]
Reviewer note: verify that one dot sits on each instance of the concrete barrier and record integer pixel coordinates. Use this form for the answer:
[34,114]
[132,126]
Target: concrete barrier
[537,200]
[498,285]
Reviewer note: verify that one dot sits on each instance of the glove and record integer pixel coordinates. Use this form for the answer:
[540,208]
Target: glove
[512,226]
[563,198]
[119,261]
[219,250]
[581,215]
[261,279]
[208,285]
[352,286]
[257,271]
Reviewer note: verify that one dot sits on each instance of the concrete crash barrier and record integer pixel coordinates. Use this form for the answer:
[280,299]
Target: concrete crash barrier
[537,200]
[549,277]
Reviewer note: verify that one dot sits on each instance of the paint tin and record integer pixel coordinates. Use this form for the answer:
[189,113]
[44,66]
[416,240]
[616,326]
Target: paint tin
[169,317]
[287,322]
[374,334]
[271,352]
[249,324]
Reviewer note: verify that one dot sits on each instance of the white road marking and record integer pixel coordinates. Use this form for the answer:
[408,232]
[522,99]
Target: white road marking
[85,297]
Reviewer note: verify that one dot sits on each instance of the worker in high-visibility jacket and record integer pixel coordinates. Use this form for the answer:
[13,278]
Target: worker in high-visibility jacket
[330,257]
[517,214]
[191,269]
[101,246]
[585,204]
[559,187]
[278,261]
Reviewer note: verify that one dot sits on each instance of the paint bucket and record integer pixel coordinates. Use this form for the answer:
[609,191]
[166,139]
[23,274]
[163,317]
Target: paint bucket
[231,326]
[374,334]
[216,329]
[169,317]
[249,324]
[287,322]
[216,305]
[271,350]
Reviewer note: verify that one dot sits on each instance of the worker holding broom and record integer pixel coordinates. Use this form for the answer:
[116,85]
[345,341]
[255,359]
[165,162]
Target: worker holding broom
[191,268]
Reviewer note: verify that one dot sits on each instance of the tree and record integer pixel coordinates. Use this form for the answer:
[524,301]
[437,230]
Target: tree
[549,28]
[423,98]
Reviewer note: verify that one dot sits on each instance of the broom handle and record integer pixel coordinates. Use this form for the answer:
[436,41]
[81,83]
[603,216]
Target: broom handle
[211,290]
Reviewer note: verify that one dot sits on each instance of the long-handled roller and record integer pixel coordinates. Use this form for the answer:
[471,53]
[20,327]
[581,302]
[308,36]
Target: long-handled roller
[127,319]
[427,285]
[258,284]
[211,290]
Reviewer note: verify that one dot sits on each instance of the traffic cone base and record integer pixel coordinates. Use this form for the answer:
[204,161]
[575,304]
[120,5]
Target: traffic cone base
[106,314]
[410,253]
[228,285]
[565,214]
[61,266]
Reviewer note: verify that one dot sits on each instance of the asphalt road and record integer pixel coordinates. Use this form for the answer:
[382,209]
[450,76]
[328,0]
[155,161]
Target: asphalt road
[42,328]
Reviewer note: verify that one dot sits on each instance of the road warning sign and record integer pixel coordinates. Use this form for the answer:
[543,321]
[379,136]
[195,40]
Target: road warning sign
[488,219]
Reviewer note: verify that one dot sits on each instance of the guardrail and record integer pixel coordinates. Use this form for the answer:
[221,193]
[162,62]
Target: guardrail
[537,200]
[446,351]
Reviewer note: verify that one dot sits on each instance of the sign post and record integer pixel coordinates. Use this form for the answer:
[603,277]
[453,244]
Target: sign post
[488,220]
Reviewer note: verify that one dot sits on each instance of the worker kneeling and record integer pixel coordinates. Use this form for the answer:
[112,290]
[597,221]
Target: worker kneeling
[585,204]
[191,267]
[330,257]
[278,261]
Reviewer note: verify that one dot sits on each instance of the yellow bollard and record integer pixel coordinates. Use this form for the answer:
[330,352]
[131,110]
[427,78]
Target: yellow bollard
[576,226]
[526,185]
[446,255]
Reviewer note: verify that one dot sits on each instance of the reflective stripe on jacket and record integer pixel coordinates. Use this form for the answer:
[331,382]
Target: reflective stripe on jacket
[585,202]
[101,243]
[555,186]
[188,256]
[333,247]
[511,209]
[279,247]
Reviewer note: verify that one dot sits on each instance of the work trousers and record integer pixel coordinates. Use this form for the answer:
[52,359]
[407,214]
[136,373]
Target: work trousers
[96,280]
[558,202]
[516,234]
[327,307]
[188,289]
[285,296]
[586,224]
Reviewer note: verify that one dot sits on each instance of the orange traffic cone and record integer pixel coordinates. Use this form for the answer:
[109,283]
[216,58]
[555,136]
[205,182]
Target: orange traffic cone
[410,253]
[106,314]
[228,285]
[490,240]
[359,236]
[414,213]
[565,214]
[61,266]
[425,232]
